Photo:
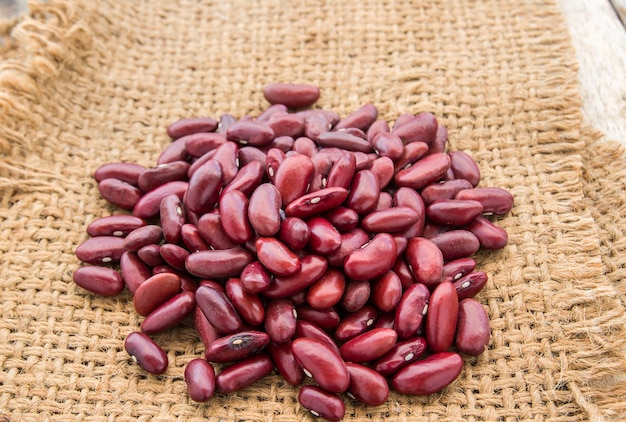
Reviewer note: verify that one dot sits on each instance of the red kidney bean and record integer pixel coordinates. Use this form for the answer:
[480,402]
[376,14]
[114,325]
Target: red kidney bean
[238,346]
[444,190]
[385,201]
[386,291]
[149,204]
[188,126]
[383,169]
[100,250]
[424,172]
[440,141]
[406,197]
[400,355]
[494,200]
[327,291]
[207,332]
[411,310]
[421,128]
[490,236]
[364,192]
[218,309]
[312,268]
[119,193]
[199,144]
[99,280]
[471,284]
[172,218]
[264,210]
[411,153]
[227,156]
[317,202]
[285,362]
[250,133]
[464,167]
[369,346]
[343,140]
[453,212]
[388,145]
[219,263]
[192,239]
[143,236]
[276,257]
[169,314]
[312,330]
[428,376]
[361,118]
[321,403]
[249,155]
[324,238]
[342,171]
[291,95]
[356,323]
[174,255]
[322,363]
[455,244]
[454,270]
[294,233]
[322,165]
[280,320]
[401,243]
[146,353]
[155,291]
[255,278]
[151,255]
[200,380]
[248,305]
[271,111]
[204,187]
[211,230]
[402,119]
[356,294]
[248,178]
[375,129]
[373,259]
[426,261]
[154,177]
[114,225]
[226,121]
[293,177]
[134,270]
[315,124]
[126,172]
[443,312]
[390,220]
[243,373]
[273,159]
[305,146]
[432,230]
[473,330]
[175,151]
[403,271]
[367,385]
[342,218]
[234,215]
[350,242]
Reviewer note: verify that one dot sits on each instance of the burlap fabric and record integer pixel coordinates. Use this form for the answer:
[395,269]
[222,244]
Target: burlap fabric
[83,83]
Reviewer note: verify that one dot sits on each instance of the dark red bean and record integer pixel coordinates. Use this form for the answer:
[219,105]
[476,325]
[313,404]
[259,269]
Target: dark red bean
[473,330]
[317,202]
[372,260]
[411,153]
[264,210]
[248,305]
[364,192]
[294,233]
[238,346]
[342,218]
[255,278]
[411,310]
[312,268]
[366,385]
[369,346]
[207,332]
[386,291]
[227,156]
[280,320]
[273,159]
[356,323]
[377,128]
[218,263]
[342,171]
[453,212]
[324,238]
[321,403]
[218,309]
[291,95]
[455,244]
[322,363]
[174,255]
[99,280]
[192,239]
[361,118]
[126,172]
[200,380]
[143,236]
[154,177]
[310,329]
[148,205]
[350,242]
[388,145]
[276,257]
[424,172]
[243,373]
[490,236]
[404,273]
[305,146]
[441,140]
[327,291]
[120,193]
[444,190]
[101,250]
[421,128]
[400,355]
[210,228]
[494,200]
[384,170]
[285,362]
[391,220]
[134,270]
[204,187]
[443,311]
[155,291]
[293,177]
[471,284]
[114,225]
[248,178]
[343,140]
[406,197]
[172,217]
[146,353]
[426,261]
[188,126]
[249,155]
[169,314]
[453,270]
[151,255]
[464,167]
[234,216]
[429,375]
[176,151]
[356,294]
[199,144]
[250,133]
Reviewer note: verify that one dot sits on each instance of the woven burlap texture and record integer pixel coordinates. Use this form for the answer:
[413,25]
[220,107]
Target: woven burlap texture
[83,83]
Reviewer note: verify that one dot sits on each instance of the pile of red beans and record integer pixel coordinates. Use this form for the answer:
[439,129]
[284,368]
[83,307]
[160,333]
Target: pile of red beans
[332,248]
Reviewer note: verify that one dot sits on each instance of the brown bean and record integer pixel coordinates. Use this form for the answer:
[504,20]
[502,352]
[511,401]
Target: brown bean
[443,311]
[312,268]
[210,228]
[291,95]
[343,140]
[234,215]
[176,151]
[151,255]
[356,294]
[428,376]
[294,233]
[369,346]
[444,190]
[426,261]
[237,346]
[464,167]
[453,212]
[285,362]
[372,260]
[276,257]
[366,385]
[100,250]
[317,202]
[280,320]
[250,133]
[321,403]
[174,255]
[424,172]
[455,244]
[364,192]
[473,330]
[293,177]
[400,355]
[421,128]
[327,291]
[218,263]
[255,278]
[264,210]
[391,220]
[362,118]
[155,291]
[114,225]
[248,305]
[126,172]
[490,236]
[356,323]
[243,373]
[120,193]
[143,236]
[148,205]
[200,380]
[169,314]
[218,309]
[494,200]
[386,291]
[187,126]
[324,238]
[411,310]
[384,170]
[248,178]
[471,284]
[146,353]
[99,280]
[322,363]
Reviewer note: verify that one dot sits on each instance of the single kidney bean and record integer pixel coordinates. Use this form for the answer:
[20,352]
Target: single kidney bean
[322,164]
[325,319]
[384,170]
[454,270]
[391,220]
[327,291]
[404,273]
[421,128]
[324,238]
[428,376]
[155,291]
[291,125]
[293,177]
[342,218]
[342,171]
[143,236]
[464,167]
[388,145]
[264,210]
[343,140]
[226,121]
[490,236]
[204,187]
[273,159]
[248,178]
[453,212]
[312,268]
[280,320]
[367,385]
[146,353]
[402,119]
[385,320]
[315,124]
[386,291]
[316,202]
[276,257]
[238,346]
[443,312]
[172,217]
[375,129]
[356,323]
[249,155]
[161,174]
[431,229]
[444,190]
[248,305]
[198,144]
[200,380]
[234,216]
[250,133]
[305,146]
[426,261]
[455,244]
[371,260]
[350,241]
[100,250]
[401,243]
[175,151]
[494,200]
[441,140]
[243,373]
[400,355]
[134,270]
[321,403]
[411,153]
[423,172]
[369,346]
[470,284]
[211,230]
[151,255]
[99,280]
[149,204]
[114,225]
[362,118]
[126,172]
[207,332]
[120,193]
[218,263]
[291,95]
[406,197]
[227,156]
[364,192]
[285,362]
[356,294]
[174,255]
[255,278]
[473,331]
[192,239]
[218,309]
[311,330]
[269,112]
[169,314]
[411,310]
[294,233]
[187,126]
[322,363]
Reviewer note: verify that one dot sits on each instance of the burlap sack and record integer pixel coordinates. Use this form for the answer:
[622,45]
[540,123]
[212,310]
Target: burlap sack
[83,83]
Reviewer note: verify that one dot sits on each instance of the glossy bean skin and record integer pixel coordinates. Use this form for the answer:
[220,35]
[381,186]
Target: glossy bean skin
[149,204]
[271,111]
[444,190]
[421,128]
[471,284]
[453,212]
[324,238]
[273,159]
[369,346]
[243,373]
[361,118]
[372,260]
[293,177]
[103,281]
[316,123]
[285,362]
[175,151]
[312,268]
[188,126]
[426,261]
[237,346]
[356,323]
[343,219]
[390,220]
[248,178]
[227,155]
[200,380]
[218,310]
[134,270]
[305,146]
[411,153]
[342,171]
[386,291]
[291,95]
[120,193]
[211,230]
[406,197]
[321,403]
[317,202]
[264,210]
[424,172]
[364,192]
[207,332]
[248,305]
[143,236]
[325,319]
[366,385]
[146,353]
[191,238]
[294,232]
[174,255]
[151,255]
[343,140]
[388,145]
[114,225]
[411,310]
[250,133]
[441,320]
[377,128]
[494,200]
[428,376]
[473,330]
[226,121]
[454,270]
[276,257]
[234,207]
[327,291]
[356,294]
[404,273]
[126,172]
[172,217]
[464,167]
[155,291]
[255,278]
[400,355]
[384,170]
[198,144]
[170,313]
[490,236]
[441,140]
[161,174]
[455,244]
[100,250]
[280,320]
[323,363]
[286,125]
[311,330]
[350,242]
[248,155]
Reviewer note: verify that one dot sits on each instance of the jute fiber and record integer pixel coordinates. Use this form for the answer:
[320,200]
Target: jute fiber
[83,83]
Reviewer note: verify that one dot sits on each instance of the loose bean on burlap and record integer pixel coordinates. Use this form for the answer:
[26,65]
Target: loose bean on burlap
[84,82]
